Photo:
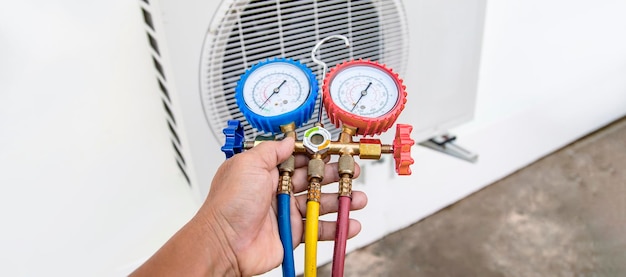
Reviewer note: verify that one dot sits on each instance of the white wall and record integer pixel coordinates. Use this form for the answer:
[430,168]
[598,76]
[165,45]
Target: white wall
[90,187]
[89,183]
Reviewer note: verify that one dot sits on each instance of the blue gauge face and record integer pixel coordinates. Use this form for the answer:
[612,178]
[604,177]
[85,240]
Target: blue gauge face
[275,89]
[276,92]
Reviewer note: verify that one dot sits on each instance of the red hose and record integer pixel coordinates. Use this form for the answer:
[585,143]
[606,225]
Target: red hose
[341,236]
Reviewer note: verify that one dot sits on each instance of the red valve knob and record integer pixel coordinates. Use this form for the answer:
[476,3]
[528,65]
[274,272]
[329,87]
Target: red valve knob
[402,149]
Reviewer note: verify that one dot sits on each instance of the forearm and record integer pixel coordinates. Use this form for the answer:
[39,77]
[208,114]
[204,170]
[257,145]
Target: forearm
[195,250]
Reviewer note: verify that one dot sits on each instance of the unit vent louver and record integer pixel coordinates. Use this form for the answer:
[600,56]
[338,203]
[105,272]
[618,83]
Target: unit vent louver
[251,31]
[165,97]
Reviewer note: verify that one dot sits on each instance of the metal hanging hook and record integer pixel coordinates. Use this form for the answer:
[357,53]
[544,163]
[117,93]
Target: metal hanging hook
[319,44]
[324,67]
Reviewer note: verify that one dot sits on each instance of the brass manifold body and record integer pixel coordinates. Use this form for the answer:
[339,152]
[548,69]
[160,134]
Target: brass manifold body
[344,146]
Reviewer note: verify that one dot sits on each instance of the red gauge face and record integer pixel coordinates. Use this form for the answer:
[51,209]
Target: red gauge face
[364,91]
[364,94]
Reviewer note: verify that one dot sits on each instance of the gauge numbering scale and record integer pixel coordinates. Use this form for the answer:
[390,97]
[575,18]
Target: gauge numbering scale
[275,92]
[364,94]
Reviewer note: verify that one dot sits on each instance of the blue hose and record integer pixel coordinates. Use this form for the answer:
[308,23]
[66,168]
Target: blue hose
[284,229]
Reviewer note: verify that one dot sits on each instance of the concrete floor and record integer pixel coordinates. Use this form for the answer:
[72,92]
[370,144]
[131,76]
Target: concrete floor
[564,215]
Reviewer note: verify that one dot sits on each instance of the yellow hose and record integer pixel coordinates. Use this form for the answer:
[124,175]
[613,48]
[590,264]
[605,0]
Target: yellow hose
[310,238]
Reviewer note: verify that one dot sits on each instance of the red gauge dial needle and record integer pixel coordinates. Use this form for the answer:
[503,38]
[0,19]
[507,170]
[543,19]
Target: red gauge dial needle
[363,93]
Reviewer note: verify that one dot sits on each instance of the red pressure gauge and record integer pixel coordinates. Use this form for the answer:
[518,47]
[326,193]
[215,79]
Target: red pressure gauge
[363,94]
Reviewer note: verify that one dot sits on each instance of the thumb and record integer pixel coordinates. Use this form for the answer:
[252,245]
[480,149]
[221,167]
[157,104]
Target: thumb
[273,153]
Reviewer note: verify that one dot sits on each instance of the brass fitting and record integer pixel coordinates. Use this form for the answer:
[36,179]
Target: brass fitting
[345,165]
[257,140]
[287,167]
[314,190]
[315,175]
[345,168]
[289,130]
[345,185]
[365,148]
[284,183]
[370,149]
[316,168]
[317,143]
[286,170]
[347,132]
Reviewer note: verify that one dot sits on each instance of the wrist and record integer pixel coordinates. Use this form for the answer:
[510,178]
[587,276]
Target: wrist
[215,245]
[198,249]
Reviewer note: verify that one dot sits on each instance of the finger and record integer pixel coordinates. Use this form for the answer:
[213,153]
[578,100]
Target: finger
[329,203]
[301,160]
[271,153]
[297,224]
[326,159]
[300,178]
[327,230]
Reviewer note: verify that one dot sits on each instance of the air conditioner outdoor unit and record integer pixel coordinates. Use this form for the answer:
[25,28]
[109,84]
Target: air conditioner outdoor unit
[201,48]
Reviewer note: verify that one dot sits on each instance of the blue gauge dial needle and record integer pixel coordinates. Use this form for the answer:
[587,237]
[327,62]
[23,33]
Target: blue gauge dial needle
[275,91]
[363,93]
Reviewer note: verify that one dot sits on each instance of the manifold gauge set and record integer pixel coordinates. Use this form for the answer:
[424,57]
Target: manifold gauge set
[365,98]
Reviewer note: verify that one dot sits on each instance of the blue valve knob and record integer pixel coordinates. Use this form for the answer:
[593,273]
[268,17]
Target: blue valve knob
[234,138]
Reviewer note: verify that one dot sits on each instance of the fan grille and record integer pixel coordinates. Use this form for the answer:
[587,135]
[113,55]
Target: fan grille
[251,31]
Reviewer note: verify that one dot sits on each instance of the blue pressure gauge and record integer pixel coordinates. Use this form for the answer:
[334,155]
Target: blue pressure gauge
[276,92]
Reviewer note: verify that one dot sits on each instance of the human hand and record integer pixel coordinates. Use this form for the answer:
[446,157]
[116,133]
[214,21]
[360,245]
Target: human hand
[235,232]
[241,207]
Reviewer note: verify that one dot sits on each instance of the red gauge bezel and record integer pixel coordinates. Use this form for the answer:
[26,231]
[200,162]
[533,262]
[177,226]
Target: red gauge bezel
[366,126]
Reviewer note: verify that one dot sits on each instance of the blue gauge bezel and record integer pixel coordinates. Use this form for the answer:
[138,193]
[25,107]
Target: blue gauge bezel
[271,124]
